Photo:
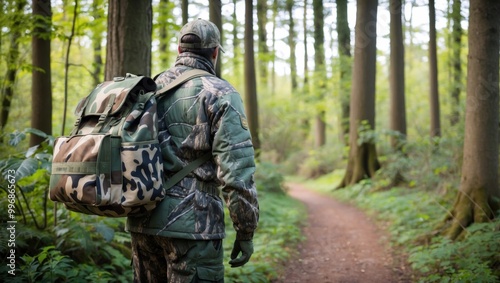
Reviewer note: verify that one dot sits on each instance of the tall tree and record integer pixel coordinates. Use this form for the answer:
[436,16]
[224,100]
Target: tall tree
[67,64]
[456,46]
[98,29]
[251,105]
[319,72]
[262,39]
[11,58]
[236,40]
[397,72]
[184,8]
[129,38]
[292,43]
[344,49]
[479,196]
[433,74]
[215,8]
[41,84]
[306,55]
[164,13]
[273,52]
[363,161]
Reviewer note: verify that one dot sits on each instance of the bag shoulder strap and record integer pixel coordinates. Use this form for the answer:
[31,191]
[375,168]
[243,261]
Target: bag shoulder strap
[184,77]
[177,177]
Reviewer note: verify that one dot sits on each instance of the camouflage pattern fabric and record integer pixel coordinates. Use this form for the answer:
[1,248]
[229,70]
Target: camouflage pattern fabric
[111,165]
[205,30]
[204,114]
[185,260]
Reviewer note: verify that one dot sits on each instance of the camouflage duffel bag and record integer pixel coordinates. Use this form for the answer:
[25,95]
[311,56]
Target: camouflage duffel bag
[111,163]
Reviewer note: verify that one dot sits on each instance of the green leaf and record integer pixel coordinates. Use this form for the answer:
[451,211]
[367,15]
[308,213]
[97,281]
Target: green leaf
[16,137]
[106,232]
[36,132]
[26,168]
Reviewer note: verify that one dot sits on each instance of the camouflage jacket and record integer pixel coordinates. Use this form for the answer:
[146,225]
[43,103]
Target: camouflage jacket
[204,114]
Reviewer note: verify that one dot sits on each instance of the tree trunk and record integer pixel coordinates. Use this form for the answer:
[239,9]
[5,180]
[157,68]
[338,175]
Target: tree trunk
[363,162]
[456,46]
[320,72]
[479,194]
[41,85]
[236,42]
[12,67]
[435,130]
[262,40]
[129,38]
[397,74]
[306,54]
[215,7]
[273,53]
[292,44]
[344,49]
[250,80]
[164,12]
[184,8]
[97,14]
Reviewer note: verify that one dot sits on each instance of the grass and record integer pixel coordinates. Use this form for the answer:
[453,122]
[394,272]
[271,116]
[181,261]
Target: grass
[410,215]
[275,240]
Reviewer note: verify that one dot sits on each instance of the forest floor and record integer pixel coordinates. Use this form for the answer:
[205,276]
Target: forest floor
[342,245]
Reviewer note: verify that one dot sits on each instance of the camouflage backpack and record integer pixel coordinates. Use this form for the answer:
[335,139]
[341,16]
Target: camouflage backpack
[111,163]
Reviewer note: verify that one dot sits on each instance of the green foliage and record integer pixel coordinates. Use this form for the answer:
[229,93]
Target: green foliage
[320,161]
[412,211]
[76,247]
[269,178]
[82,248]
[469,260]
[274,241]
[50,265]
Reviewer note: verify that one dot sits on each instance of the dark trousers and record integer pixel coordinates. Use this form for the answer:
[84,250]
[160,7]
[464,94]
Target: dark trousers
[161,259]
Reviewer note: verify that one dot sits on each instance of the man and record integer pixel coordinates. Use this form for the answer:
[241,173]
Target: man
[181,240]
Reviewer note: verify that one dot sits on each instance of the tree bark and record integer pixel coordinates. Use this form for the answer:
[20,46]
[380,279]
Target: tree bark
[397,74]
[251,106]
[215,8]
[129,38]
[12,67]
[320,72]
[363,161]
[435,130]
[456,46]
[306,54]
[41,85]
[262,40]
[479,194]
[184,8]
[344,49]
[236,42]
[164,12]
[292,44]
[97,14]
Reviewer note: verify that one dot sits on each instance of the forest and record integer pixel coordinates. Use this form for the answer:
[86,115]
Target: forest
[391,106]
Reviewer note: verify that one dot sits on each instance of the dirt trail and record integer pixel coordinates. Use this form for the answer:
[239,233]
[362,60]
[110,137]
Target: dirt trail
[342,245]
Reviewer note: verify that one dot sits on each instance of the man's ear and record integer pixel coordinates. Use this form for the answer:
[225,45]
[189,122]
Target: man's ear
[215,53]
[178,49]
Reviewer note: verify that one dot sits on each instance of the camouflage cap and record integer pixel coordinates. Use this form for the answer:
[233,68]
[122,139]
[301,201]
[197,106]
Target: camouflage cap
[205,30]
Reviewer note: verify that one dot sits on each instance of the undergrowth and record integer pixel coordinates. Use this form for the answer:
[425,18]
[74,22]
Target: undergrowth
[412,211]
[55,245]
[277,234]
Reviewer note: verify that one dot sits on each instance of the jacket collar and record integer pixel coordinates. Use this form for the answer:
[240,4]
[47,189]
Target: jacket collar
[195,61]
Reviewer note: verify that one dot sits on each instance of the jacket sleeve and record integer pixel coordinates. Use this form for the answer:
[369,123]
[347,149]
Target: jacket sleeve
[234,155]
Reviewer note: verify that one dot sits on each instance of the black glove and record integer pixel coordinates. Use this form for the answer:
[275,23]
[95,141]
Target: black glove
[246,249]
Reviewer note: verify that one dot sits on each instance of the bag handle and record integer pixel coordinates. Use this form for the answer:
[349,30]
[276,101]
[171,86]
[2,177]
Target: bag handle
[177,177]
[184,77]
